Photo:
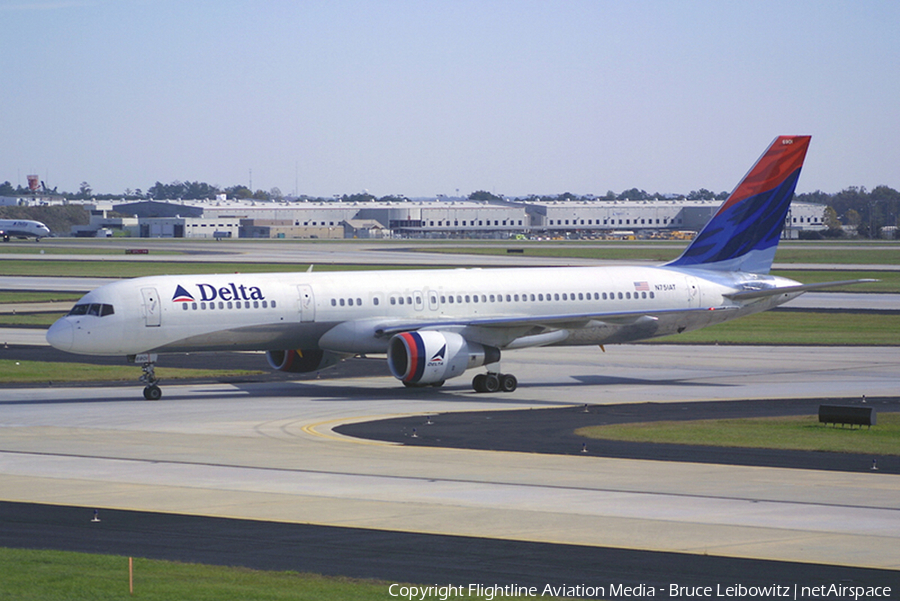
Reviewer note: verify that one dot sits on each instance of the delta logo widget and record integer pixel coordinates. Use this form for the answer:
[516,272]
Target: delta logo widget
[208,292]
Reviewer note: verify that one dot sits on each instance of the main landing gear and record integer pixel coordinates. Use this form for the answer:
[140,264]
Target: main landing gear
[152,392]
[494,382]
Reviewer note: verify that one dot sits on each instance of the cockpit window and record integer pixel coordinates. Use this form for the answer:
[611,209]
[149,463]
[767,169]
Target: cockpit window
[79,310]
[100,310]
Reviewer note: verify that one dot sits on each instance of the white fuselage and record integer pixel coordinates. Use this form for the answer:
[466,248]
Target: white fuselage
[358,312]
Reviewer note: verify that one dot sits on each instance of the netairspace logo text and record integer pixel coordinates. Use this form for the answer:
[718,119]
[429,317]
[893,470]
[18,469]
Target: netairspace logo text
[641,591]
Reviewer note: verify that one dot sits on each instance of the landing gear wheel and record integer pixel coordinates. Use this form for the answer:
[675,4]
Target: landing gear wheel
[152,393]
[494,383]
[508,382]
[491,383]
[478,383]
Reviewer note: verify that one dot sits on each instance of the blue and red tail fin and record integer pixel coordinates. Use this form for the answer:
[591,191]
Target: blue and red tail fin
[743,234]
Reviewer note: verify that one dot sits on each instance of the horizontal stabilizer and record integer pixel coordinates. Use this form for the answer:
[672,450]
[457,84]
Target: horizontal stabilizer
[764,292]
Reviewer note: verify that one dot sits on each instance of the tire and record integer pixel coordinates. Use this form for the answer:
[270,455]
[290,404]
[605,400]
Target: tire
[508,383]
[478,383]
[152,393]
[491,383]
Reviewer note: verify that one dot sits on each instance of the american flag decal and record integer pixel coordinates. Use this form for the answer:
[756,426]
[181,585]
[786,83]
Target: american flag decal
[641,287]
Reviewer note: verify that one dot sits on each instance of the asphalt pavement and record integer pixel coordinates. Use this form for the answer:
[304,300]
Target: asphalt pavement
[396,556]
[553,431]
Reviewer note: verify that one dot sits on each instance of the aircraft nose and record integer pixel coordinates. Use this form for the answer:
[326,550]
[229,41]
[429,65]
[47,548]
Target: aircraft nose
[61,335]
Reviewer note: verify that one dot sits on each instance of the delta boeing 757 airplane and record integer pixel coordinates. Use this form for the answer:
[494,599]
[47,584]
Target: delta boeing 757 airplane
[436,324]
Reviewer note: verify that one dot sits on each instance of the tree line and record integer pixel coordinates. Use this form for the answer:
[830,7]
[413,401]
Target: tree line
[864,211]
[177,190]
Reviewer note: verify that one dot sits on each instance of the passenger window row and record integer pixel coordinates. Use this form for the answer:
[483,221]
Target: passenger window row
[229,305]
[499,298]
[347,302]
[541,297]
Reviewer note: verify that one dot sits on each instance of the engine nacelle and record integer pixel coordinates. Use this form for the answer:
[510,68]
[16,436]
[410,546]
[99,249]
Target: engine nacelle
[430,356]
[301,360]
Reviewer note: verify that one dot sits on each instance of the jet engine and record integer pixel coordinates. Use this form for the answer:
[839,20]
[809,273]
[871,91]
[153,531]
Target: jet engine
[430,357]
[301,360]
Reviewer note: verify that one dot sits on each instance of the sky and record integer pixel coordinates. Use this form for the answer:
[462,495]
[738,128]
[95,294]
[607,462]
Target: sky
[424,97]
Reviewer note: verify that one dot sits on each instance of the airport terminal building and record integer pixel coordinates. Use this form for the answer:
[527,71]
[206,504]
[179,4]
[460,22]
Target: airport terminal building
[438,218]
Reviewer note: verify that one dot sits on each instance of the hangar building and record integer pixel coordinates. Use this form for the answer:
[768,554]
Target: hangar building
[433,218]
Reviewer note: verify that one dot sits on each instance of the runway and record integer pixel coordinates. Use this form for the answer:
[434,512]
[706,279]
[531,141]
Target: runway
[424,252]
[293,253]
[268,451]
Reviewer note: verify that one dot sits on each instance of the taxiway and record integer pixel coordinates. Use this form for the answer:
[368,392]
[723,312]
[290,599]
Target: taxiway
[267,451]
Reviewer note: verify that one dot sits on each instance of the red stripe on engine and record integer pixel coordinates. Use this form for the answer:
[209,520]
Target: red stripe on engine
[413,354]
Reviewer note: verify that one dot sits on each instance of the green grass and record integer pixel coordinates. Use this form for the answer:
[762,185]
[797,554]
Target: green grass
[64,576]
[24,372]
[32,575]
[37,297]
[570,250]
[133,269]
[19,320]
[803,433]
[800,328]
[841,253]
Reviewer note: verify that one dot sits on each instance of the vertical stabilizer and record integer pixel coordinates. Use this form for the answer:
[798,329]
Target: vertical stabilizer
[743,234]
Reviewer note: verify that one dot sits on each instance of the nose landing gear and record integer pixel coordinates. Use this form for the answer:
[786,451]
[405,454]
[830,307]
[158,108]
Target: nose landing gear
[152,391]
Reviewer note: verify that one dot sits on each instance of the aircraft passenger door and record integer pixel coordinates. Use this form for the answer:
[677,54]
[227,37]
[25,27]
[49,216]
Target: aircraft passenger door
[693,291]
[151,307]
[307,303]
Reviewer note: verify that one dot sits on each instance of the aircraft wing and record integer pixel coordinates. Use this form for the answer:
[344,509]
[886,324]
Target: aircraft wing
[619,318]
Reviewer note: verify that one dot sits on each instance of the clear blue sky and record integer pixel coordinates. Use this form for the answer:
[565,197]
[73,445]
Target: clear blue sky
[425,97]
